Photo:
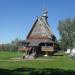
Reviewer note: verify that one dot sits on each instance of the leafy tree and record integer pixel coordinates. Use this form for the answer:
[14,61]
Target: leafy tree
[14,44]
[67,32]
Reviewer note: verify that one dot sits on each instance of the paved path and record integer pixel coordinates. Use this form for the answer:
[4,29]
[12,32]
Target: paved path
[26,59]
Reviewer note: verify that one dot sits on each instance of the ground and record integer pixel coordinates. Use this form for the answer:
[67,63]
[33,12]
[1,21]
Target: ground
[58,64]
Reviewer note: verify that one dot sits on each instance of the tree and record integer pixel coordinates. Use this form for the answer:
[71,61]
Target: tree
[67,32]
[14,44]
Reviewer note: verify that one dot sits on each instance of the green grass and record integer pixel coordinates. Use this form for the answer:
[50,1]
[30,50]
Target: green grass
[59,64]
[6,55]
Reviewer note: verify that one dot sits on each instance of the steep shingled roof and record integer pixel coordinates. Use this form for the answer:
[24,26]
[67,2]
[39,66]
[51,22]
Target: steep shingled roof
[40,29]
[40,32]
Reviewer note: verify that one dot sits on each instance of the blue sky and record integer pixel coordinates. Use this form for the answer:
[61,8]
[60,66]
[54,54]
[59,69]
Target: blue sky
[17,16]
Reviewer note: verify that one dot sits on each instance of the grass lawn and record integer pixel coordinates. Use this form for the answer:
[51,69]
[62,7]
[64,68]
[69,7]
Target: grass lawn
[59,64]
[5,55]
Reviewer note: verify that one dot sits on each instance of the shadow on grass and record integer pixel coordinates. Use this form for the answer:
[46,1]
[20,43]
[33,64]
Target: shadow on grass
[58,55]
[31,71]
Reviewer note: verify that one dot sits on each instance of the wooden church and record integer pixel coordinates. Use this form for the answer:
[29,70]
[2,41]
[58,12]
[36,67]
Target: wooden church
[40,40]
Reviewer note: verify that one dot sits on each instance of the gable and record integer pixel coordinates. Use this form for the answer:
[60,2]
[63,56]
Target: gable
[39,30]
